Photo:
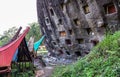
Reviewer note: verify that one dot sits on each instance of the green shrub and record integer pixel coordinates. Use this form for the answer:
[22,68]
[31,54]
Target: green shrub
[103,61]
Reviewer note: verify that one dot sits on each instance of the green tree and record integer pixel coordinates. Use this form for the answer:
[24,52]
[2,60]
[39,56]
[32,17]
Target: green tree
[34,31]
[7,35]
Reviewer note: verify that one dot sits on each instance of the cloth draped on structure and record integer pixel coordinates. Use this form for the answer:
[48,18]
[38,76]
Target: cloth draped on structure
[34,46]
[7,52]
[15,58]
[38,43]
[30,44]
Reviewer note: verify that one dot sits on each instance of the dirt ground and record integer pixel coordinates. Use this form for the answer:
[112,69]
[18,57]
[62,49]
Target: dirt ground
[45,72]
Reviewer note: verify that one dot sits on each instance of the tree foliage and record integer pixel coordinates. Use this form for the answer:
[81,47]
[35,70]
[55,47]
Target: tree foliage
[7,35]
[34,31]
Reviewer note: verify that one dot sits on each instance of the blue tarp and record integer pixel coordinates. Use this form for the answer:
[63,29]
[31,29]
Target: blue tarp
[15,56]
[38,43]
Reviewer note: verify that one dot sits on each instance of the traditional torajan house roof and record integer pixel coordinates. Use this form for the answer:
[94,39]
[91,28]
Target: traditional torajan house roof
[7,52]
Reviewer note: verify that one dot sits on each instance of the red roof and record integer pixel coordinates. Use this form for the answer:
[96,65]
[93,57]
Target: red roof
[7,52]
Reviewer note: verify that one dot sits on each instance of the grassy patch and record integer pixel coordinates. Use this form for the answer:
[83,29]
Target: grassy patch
[22,69]
[103,61]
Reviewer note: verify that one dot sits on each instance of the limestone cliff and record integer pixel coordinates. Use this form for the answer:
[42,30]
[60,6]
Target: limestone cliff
[73,27]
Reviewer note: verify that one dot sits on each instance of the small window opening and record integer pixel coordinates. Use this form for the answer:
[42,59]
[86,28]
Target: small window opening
[68,53]
[52,12]
[47,20]
[62,5]
[83,1]
[80,41]
[62,33]
[78,53]
[86,9]
[76,21]
[110,8]
[71,32]
[88,30]
[95,41]
[119,3]
[54,43]
[68,41]
[58,40]
[50,31]
[60,51]
[60,21]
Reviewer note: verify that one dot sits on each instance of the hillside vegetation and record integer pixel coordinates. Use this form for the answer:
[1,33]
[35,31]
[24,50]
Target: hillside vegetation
[103,61]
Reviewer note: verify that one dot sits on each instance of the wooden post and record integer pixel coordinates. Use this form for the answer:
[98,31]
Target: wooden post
[9,74]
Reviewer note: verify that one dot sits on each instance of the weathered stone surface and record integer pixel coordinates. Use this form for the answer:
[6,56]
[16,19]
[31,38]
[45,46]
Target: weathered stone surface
[73,27]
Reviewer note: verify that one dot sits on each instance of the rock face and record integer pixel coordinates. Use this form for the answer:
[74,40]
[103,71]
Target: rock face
[73,27]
